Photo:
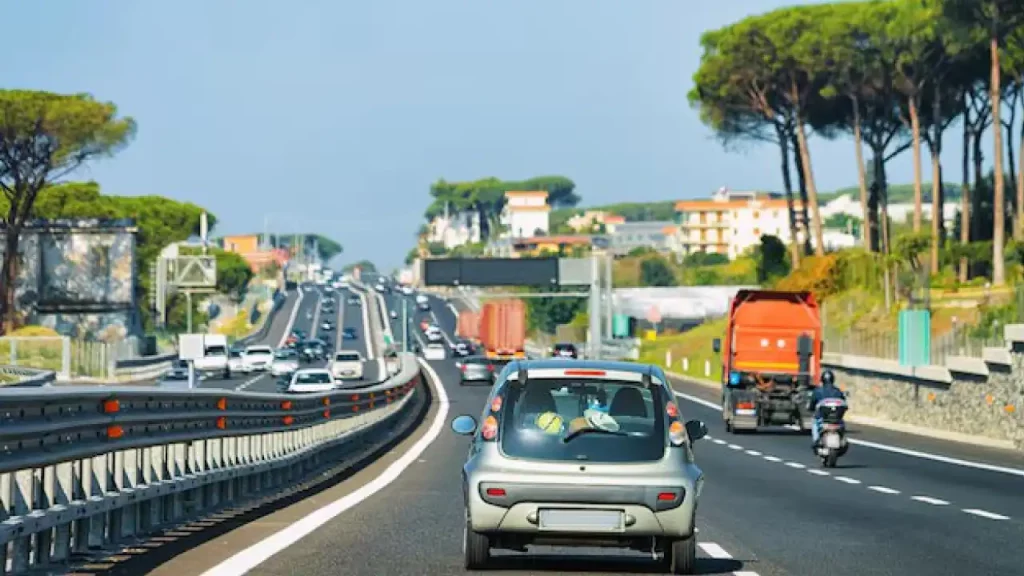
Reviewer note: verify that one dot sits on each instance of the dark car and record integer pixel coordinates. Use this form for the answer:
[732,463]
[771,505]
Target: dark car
[564,350]
[462,349]
[313,350]
[349,334]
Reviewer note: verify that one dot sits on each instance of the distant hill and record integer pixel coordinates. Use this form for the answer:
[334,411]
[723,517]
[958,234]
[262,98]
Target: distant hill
[631,211]
[898,193]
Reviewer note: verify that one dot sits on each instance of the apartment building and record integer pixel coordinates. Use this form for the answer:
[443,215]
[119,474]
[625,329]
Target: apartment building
[732,222]
[625,237]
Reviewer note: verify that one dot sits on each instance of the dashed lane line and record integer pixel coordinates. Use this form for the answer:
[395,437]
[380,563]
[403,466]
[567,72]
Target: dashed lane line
[930,500]
[883,489]
[250,382]
[718,553]
[985,514]
[848,480]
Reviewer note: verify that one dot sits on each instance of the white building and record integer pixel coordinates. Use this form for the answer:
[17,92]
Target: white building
[454,230]
[849,205]
[732,223]
[526,214]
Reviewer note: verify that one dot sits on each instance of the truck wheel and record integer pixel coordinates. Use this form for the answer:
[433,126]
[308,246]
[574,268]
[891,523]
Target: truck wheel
[476,548]
[681,556]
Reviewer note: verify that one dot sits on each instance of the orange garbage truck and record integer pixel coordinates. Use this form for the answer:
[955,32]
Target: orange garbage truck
[771,359]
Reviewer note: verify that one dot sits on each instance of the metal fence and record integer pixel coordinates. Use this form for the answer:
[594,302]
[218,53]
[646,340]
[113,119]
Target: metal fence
[885,345]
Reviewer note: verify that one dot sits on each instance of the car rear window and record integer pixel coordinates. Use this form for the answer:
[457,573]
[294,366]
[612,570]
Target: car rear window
[347,357]
[540,421]
[314,378]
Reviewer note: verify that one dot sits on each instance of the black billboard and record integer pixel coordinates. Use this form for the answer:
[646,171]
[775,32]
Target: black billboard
[491,272]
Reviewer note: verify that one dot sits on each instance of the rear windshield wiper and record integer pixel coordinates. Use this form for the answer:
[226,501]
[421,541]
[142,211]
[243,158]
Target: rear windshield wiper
[582,431]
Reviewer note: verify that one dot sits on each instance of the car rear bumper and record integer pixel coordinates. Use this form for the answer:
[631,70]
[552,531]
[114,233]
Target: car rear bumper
[643,514]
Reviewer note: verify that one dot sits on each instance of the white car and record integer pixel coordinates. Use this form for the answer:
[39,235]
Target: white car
[407,290]
[433,333]
[347,365]
[434,351]
[257,358]
[286,361]
[311,380]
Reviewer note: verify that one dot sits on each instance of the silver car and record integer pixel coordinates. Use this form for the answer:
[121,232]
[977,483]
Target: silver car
[477,369]
[581,453]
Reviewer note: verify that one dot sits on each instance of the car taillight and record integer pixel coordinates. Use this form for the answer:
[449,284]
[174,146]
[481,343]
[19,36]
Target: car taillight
[498,492]
[496,405]
[666,496]
[672,410]
[489,431]
[677,433]
[490,367]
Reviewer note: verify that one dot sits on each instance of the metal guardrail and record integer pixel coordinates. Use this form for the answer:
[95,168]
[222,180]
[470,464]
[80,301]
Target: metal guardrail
[27,377]
[87,468]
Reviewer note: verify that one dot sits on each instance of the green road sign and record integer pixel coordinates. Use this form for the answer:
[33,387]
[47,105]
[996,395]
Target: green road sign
[620,326]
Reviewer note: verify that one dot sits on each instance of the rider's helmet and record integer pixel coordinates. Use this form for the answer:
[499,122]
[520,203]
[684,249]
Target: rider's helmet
[828,378]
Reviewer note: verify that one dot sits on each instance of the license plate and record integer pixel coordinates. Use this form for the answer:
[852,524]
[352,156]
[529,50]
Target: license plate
[581,520]
[832,441]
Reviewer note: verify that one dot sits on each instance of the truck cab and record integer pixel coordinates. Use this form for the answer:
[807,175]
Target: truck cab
[771,359]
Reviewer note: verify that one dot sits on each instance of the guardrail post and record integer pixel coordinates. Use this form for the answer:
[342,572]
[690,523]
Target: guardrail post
[178,470]
[197,465]
[65,359]
[21,504]
[127,465]
[212,464]
[96,482]
[13,351]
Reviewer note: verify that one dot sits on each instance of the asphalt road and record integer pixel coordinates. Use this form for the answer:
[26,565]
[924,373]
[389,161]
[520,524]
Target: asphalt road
[303,311]
[768,508]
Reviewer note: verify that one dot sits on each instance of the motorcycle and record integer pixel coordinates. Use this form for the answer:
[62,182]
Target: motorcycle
[832,441]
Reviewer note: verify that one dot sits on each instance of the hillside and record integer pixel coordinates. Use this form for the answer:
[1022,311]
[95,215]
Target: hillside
[898,193]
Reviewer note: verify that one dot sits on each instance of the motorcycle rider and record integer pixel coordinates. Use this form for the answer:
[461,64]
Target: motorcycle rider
[827,390]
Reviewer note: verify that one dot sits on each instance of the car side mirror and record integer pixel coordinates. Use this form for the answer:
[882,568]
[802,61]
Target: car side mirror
[716,345]
[464,425]
[695,429]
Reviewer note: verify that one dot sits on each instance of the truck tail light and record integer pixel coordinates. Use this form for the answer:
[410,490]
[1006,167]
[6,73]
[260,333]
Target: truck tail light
[744,405]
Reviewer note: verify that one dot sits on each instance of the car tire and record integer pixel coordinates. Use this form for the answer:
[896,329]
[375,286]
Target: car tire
[476,548]
[681,556]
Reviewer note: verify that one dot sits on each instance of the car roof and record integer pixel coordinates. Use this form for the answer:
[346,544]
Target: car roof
[313,371]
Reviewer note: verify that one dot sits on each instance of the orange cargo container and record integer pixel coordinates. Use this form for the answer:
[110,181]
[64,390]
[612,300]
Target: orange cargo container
[469,325]
[503,328]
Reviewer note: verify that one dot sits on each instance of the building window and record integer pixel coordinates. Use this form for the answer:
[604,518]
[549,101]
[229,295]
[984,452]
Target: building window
[757,232]
[757,215]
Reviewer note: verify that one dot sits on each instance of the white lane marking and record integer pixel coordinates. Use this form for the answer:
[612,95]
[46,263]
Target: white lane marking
[796,465]
[817,472]
[714,550]
[315,328]
[291,319]
[745,573]
[847,480]
[700,401]
[883,489]
[888,448]
[250,382]
[930,500]
[753,452]
[773,459]
[339,330]
[454,310]
[986,514]
[719,441]
[258,553]
[735,447]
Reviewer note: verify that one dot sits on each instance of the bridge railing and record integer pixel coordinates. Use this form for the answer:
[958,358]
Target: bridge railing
[87,467]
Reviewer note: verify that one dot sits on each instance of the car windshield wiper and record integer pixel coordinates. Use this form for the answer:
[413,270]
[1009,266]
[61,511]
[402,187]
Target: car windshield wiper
[582,431]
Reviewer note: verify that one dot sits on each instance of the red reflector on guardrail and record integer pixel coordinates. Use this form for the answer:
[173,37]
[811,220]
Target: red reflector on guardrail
[288,420]
[286,405]
[222,404]
[327,401]
[327,413]
[222,422]
[354,398]
[114,432]
[111,406]
[355,408]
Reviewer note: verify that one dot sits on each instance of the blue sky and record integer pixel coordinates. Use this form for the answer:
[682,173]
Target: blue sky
[335,116]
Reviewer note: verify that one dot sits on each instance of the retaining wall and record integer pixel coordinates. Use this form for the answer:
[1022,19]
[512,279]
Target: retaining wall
[980,397]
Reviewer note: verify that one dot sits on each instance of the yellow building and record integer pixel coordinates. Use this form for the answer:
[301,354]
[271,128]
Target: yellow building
[243,244]
[731,223]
